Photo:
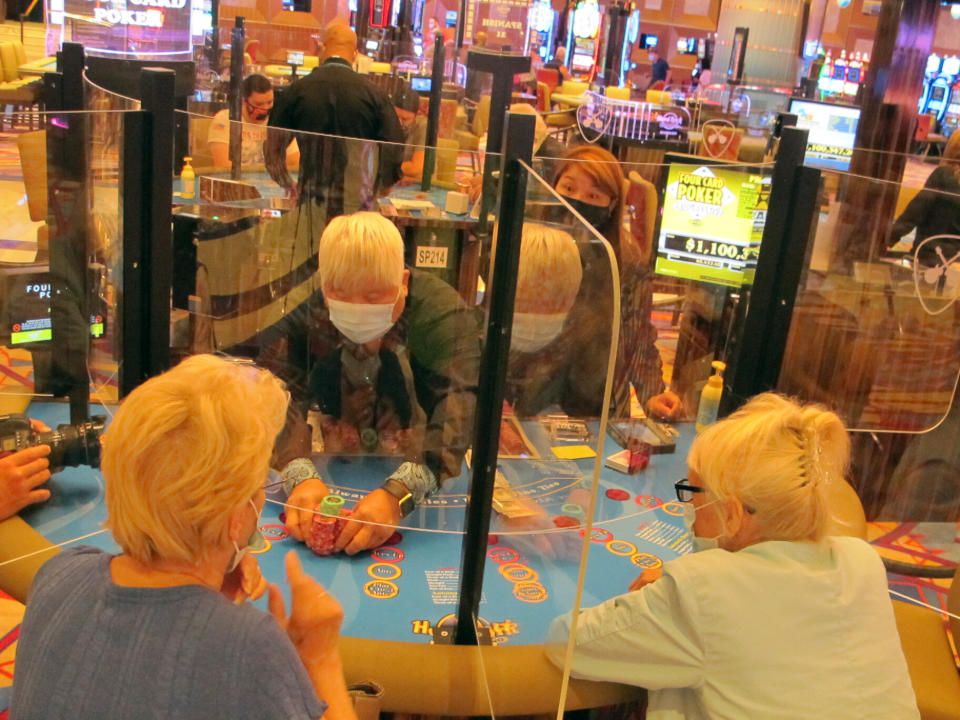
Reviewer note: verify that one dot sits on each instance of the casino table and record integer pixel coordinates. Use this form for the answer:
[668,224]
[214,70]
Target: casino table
[399,600]
[435,239]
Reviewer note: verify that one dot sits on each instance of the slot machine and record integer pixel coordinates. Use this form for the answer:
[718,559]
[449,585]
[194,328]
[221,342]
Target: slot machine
[941,92]
[934,63]
[542,24]
[629,40]
[583,41]
[951,118]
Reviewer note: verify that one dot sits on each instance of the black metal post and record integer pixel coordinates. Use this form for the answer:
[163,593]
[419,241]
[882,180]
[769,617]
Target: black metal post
[156,97]
[493,371]
[433,113]
[68,203]
[136,184]
[503,68]
[747,373]
[237,48]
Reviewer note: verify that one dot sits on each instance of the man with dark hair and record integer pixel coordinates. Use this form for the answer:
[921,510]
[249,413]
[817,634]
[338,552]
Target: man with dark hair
[661,68]
[338,173]
[257,101]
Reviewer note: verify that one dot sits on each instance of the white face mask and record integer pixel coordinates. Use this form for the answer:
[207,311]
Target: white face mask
[361,322]
[532,331]
[689,518]
[255,542]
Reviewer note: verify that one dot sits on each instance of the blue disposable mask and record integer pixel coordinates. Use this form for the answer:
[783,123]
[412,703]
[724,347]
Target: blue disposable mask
[689,518]
[255,542]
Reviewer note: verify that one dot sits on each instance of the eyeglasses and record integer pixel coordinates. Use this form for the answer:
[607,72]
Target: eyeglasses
[685,490]
[274,480]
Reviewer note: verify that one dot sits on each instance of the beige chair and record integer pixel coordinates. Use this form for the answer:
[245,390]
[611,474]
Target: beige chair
[559,122]
[933,673]
[469,140]
[573,87]
[617,93]
[18,92]
[32,147]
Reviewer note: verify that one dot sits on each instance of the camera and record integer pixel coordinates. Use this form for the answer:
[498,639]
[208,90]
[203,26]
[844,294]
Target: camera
[70,445]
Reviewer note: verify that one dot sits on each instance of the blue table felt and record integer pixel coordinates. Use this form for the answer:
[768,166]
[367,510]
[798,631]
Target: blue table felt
[408,589]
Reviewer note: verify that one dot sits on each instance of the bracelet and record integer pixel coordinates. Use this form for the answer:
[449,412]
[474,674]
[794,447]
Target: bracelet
[296,471]
[418,479]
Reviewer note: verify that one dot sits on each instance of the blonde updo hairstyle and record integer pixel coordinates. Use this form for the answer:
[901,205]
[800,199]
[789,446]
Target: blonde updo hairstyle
[779,459]
[185,449]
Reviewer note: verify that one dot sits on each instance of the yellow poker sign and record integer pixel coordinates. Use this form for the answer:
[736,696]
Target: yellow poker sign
[700,194]
[712,224]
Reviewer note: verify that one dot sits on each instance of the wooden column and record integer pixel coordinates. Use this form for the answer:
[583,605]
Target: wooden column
[903,41]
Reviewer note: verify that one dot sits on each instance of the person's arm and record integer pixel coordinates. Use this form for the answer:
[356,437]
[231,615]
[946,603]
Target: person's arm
[918,208]
[21,474]
[391,131]
[218,139]
[649,638]
[445,347]
[314,629]
[275,146]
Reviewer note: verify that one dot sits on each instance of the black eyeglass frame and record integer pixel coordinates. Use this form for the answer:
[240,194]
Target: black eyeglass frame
[685,490]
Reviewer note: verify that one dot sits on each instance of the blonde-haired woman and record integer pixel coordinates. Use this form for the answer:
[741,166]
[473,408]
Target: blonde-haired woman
[773,618]
[935,210]
[158,628]
[591,181]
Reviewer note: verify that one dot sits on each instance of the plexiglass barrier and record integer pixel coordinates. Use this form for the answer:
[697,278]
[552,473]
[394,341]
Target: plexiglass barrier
[62,334]
[877,301]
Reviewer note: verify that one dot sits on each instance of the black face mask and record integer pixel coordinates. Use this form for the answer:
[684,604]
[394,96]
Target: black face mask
[596,215]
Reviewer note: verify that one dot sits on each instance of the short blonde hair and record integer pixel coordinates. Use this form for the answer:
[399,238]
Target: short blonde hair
[550,269]
[360,247]
[779,459]
[184,450]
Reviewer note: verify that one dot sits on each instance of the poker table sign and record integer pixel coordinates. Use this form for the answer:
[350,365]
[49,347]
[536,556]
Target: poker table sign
[407,589]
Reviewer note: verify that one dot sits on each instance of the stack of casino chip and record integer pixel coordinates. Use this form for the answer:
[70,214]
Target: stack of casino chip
[329,517]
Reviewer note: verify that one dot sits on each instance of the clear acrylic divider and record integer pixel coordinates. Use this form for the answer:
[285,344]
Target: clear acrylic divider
[396,398]
[61,334]
[875,336]
[560,365]
[688,234]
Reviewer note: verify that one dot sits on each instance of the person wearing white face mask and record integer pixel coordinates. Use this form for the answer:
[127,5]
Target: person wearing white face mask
[389,356]
[780,614]
[162,628]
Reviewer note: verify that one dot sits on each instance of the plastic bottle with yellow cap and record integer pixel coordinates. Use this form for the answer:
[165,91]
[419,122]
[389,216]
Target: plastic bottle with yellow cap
[710,397]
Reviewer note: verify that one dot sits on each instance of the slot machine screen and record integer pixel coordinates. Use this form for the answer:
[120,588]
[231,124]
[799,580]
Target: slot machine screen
[951,65]
[648,41]
[937,92]
[712,224]
[294,58]
[27,313]
[832,130]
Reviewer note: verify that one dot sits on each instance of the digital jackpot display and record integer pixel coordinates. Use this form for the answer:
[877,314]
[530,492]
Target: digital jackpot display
[144,29]
[712,224]
[584,40]
[832,130]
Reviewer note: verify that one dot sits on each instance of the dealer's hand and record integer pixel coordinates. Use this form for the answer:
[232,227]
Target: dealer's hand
[379,513]
[21,474]
[666,405]
[245,582]
[299,506]
[315,615]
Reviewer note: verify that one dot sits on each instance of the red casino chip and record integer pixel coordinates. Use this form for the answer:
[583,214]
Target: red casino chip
[565,521]
[618,494]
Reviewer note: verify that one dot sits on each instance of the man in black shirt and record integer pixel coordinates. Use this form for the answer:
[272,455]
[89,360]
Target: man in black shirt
[342,174]
[661,68]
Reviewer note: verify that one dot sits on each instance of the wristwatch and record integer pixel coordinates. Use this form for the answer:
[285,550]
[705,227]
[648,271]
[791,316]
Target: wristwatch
[403,495]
